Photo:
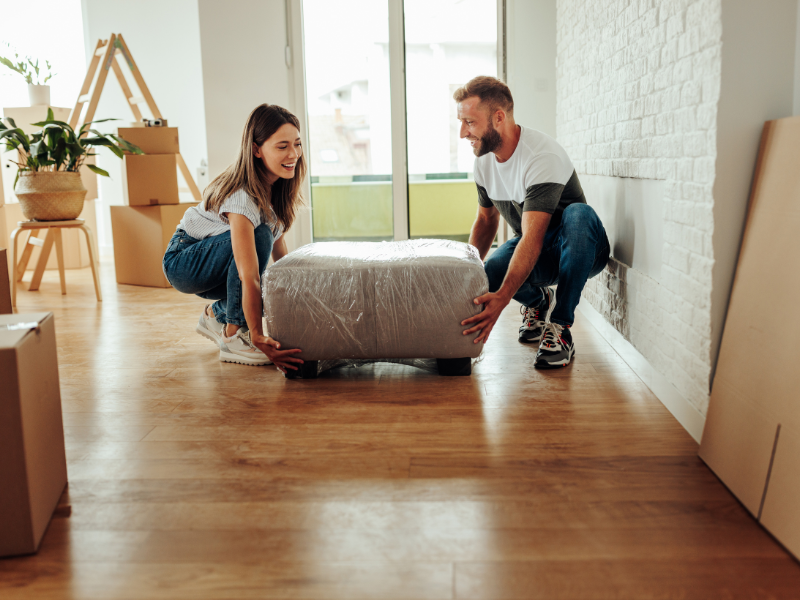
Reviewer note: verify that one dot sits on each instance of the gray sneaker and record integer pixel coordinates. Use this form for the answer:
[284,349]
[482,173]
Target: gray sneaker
[556,349]
[534,319]
[239,349]
[209,327]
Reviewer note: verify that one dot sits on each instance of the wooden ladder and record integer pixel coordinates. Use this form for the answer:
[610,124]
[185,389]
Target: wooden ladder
[105,53]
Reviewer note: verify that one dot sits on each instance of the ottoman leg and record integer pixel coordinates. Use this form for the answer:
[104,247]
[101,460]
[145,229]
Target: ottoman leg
[308,370]
[454,367]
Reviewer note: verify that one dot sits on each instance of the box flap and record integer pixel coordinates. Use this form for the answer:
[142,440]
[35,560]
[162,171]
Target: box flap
[9,338]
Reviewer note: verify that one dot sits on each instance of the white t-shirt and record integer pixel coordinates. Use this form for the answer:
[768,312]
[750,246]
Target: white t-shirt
[200,223]
[539,176]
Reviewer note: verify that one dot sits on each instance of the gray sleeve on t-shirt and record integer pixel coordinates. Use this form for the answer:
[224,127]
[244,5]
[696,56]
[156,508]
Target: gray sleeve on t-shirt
[543,197]
[240,203]
[483,197]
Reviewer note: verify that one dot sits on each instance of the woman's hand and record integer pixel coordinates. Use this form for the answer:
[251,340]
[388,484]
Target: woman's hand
[282,359]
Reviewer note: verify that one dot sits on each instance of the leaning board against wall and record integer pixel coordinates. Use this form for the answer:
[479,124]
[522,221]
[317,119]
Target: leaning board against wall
[752,434]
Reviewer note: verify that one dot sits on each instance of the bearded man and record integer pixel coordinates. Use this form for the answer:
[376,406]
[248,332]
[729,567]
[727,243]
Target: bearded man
[527,177]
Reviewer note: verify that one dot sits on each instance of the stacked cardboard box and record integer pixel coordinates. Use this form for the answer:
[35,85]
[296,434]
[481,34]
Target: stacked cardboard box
[151,178]
[143,228]
[141,235]
[33,471]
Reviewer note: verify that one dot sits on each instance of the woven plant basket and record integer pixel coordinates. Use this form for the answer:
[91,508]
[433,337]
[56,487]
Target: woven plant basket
[50,196]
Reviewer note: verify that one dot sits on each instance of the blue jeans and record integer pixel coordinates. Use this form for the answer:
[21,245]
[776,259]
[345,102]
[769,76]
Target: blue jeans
[572,253]
[207,268]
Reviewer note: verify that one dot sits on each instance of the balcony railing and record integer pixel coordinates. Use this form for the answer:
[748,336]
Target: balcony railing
[359,208]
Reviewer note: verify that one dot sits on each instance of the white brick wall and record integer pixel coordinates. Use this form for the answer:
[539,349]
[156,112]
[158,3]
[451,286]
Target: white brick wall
[637,84]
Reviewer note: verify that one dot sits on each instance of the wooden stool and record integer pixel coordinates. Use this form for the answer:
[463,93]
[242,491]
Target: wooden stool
[53,236]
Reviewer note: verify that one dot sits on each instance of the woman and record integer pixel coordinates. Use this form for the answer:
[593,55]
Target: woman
[222,246]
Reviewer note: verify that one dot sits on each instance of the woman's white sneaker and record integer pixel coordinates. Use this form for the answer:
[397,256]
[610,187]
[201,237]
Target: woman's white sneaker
[209,327]
[239,349]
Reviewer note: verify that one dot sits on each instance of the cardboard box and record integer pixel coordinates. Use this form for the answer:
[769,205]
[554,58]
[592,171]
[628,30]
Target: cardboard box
[141,235]
[752,434]
[152,140]
[5,284]
[150,179]
[33,469]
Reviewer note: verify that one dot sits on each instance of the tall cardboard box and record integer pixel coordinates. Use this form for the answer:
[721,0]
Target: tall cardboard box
[150,179]
[33,469]
[152,140]
[5,285]
[751,438]
[141,235]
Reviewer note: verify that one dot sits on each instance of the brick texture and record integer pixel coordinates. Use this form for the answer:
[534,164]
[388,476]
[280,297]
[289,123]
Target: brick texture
[637,84]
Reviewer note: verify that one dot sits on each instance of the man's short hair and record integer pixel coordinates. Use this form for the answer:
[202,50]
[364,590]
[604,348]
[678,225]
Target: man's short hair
[493,93]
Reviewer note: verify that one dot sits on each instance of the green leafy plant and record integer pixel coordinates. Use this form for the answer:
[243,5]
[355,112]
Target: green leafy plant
[30,70]
[57,147]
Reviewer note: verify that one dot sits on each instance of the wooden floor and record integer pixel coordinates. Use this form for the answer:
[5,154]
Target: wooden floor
[194,479]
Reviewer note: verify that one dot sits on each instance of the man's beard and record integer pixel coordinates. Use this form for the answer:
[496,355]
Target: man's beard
[489,142]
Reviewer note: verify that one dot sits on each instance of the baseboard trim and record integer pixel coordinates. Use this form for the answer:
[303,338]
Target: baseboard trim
[686,414]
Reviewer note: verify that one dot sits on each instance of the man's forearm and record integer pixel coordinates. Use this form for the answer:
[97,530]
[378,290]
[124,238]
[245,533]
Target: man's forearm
[482,235]
[522,262]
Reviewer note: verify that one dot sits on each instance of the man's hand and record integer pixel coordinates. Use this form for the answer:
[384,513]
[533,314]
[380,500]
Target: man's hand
[282,359]
[485,320]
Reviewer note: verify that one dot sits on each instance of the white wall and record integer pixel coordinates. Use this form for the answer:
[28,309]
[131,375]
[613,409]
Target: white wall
[677,91]
[57,26]
[243,64]
[164,39]
[638,84]
[758,50]
[531,62]
[208,65]
[797,65]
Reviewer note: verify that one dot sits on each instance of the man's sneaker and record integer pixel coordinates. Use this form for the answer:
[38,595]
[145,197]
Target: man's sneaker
[556,349]
[209,327]
[239,349]
[534,319]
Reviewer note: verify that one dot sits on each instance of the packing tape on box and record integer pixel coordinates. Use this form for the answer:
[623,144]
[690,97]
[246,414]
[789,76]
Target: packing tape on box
[19,326]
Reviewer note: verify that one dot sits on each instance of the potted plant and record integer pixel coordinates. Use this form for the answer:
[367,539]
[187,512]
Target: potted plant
[38,91]
[48,182]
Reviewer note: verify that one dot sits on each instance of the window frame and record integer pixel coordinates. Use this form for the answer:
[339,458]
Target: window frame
[295,61]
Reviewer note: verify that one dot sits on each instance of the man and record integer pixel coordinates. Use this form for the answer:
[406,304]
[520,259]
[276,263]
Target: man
[527,177]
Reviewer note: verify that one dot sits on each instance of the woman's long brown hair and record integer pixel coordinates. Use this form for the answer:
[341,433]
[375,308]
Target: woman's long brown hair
[250,174]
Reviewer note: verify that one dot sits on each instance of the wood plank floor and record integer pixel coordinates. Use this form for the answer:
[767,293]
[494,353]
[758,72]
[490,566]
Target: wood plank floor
[190,478]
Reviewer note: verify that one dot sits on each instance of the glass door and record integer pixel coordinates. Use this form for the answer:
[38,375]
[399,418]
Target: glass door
[385,158]
[349,119]
[447,43]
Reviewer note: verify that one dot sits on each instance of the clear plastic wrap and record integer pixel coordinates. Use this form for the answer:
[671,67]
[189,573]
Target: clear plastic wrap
[368,301]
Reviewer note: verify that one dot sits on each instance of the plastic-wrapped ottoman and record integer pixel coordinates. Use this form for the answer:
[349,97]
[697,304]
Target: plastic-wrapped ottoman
[376,301]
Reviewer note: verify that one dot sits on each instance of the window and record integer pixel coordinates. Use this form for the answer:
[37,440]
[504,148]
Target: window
[349,119]
[385,158]
[447,43]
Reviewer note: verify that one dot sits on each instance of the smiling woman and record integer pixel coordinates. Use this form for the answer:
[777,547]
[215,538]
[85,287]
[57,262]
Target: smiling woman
[222,247]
